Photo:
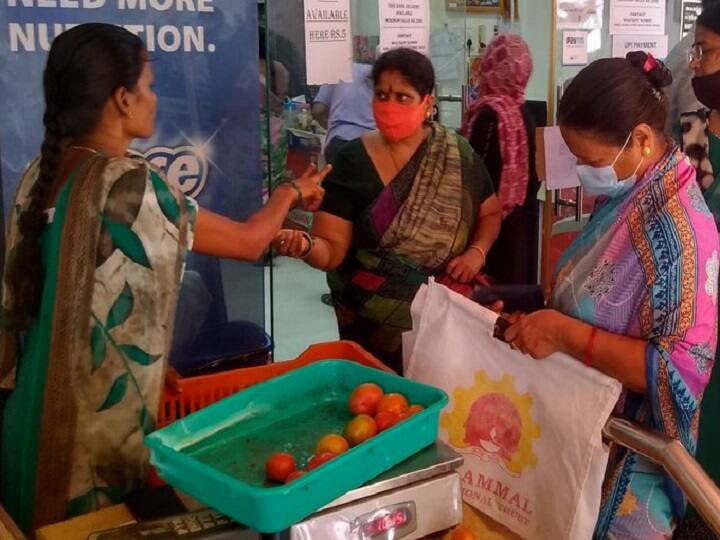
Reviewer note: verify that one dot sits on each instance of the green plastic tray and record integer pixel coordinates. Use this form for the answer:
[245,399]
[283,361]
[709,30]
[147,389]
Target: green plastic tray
[217,455]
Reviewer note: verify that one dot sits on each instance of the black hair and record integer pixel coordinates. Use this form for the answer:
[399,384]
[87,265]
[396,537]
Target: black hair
[85,66]
[710,17]
[613,95]
[415,68]
[707,3]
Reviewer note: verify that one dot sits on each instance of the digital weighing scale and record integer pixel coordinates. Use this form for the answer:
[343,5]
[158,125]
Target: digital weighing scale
[417,498]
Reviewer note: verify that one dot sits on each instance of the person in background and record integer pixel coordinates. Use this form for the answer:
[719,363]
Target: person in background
[701,127]
[96,247]
[701,141]
[406,202]
[635,296]
[501,130]
[274,76]
[274,83]
[681,96]
[345,110]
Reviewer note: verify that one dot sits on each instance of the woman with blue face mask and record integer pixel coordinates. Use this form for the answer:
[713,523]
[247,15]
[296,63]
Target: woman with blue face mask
[635,296]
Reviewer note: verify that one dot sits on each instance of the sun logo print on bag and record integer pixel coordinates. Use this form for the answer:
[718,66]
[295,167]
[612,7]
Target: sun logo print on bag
[493,421]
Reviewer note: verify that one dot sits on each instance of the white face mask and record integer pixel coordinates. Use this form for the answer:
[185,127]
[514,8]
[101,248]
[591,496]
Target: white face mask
[604,180]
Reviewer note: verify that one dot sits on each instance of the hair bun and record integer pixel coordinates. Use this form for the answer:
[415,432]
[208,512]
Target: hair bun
[654,70]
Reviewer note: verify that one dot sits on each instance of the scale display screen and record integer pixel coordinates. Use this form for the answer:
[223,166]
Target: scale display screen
[389,523]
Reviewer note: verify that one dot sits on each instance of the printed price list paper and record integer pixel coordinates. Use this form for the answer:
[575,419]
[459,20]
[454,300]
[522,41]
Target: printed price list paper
[404,23]
[328,41]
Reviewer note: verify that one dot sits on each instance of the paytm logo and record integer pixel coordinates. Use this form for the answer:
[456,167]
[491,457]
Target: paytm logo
[183,165]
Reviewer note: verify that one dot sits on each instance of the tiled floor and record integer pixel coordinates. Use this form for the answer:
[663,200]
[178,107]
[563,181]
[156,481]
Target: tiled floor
[300,318]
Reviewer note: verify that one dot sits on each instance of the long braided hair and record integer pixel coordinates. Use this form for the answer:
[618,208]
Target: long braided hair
[85,66]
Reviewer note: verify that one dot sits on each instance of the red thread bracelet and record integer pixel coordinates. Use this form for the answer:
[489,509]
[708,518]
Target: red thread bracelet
[587,355]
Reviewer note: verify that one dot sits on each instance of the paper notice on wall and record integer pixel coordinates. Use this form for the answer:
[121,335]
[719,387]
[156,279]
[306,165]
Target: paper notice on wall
[583,14]
[404,23]
[328,41]
[655,45]
[637,17]
[575,48]
[560,162]
[691,9]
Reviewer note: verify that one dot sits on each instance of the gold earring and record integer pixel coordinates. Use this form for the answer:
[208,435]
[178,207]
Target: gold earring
[130,115]
[647,151]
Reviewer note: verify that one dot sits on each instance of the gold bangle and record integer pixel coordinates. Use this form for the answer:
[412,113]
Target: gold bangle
[479,250]
[311,245]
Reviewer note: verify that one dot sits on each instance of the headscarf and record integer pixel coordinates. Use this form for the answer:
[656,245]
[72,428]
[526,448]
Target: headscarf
[504,72]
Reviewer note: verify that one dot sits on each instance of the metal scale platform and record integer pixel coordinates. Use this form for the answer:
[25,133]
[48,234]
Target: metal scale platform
[417,498]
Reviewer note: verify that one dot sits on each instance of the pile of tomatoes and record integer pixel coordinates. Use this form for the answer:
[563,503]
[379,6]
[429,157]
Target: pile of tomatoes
[374,410]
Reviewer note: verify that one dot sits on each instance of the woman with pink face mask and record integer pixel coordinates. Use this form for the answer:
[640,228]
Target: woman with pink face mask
[403,203]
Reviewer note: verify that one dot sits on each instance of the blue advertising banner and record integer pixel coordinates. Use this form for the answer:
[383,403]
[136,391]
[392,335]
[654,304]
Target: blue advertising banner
[205,55]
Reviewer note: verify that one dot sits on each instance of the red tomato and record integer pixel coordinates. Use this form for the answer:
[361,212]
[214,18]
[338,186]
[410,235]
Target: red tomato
[360,429]
[294,476]
[279,466]
[393,403]
[385,420]
[332,443]
[462,533]
[319,459]
[364,399]
[412,411]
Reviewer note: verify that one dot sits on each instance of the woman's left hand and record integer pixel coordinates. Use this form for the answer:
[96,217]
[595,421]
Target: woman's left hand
[537,334]
[465,267]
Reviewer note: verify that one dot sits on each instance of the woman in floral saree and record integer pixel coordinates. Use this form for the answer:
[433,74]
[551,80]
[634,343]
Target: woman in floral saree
[636,295]
[403,203]
[95,253]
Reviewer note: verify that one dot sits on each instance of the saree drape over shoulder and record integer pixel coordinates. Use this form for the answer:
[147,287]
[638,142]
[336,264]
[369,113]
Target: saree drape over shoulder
[409,230]
[86,376]
[646,266]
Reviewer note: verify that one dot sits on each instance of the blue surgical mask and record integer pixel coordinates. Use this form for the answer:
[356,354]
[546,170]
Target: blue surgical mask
[604,181]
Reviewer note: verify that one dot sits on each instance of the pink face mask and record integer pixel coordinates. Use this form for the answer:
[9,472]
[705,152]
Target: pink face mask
[396,121]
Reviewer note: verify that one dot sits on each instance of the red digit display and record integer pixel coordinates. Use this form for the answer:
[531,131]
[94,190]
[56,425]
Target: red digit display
[383,524]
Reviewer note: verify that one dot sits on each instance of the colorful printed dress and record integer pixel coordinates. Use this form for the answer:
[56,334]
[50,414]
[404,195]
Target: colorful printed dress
[402,233]
[646,266]
[86,378]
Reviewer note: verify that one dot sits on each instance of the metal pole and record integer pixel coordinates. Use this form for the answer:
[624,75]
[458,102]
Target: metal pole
[547,215]
[699,488]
